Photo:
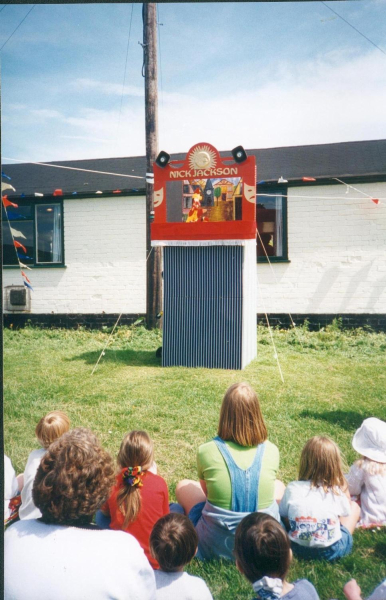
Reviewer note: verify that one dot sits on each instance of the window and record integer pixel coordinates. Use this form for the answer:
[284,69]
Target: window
[37,230]
[271,217]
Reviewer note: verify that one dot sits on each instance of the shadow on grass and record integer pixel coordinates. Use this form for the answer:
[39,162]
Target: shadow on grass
[138,358]
[347,419]
[380,548]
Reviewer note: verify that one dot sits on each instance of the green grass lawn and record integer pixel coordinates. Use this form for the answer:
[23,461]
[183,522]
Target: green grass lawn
[333,380]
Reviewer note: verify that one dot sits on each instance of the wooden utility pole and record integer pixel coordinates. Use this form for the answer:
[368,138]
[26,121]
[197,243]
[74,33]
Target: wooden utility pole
[153,265]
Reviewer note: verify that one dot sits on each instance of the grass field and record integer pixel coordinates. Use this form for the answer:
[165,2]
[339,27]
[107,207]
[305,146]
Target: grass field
[333,380]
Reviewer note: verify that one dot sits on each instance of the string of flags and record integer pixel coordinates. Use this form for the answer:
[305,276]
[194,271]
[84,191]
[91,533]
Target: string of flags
[311,179]
[15,233]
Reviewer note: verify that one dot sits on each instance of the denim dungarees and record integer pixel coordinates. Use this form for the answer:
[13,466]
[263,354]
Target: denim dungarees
[216,526]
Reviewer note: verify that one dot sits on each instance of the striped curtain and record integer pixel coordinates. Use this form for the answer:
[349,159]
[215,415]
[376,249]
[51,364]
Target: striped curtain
[203,307]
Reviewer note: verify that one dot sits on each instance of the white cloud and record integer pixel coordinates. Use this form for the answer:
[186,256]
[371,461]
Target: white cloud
[113,89]
[338,97]
[45,113]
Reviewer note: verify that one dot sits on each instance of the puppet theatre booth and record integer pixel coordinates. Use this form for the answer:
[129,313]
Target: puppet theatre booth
[205,221]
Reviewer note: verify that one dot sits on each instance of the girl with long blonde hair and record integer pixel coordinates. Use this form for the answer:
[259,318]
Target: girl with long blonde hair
[317,507]
[140,496]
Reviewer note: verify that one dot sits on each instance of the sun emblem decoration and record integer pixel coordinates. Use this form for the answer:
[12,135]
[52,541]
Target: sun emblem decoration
[202,157]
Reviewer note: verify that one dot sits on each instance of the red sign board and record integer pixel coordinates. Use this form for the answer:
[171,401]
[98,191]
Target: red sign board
[205,197]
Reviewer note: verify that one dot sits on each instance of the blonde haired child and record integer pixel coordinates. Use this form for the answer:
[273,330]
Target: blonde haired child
[50,427]
[139,497]
[367,476]
[317,508]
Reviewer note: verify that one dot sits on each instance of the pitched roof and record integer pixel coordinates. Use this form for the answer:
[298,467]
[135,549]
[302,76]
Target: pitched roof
[322,161]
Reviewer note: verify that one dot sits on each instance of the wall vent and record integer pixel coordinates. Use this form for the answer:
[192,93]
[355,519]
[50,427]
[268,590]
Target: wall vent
[17,298]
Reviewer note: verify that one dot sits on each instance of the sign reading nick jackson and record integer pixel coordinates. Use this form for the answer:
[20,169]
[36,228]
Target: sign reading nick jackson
[204,197]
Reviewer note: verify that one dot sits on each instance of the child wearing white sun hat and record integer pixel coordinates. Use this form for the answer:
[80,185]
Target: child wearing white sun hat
[367,476]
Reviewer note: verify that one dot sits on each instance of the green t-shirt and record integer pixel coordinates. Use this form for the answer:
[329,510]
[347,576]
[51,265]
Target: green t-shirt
[213,470]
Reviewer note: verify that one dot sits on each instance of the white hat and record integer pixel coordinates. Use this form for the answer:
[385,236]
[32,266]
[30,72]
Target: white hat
[370,439]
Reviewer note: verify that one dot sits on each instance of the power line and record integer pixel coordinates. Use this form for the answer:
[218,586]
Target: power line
[352,27]
[14,31]
[160,57]
[75,168]
[124,76]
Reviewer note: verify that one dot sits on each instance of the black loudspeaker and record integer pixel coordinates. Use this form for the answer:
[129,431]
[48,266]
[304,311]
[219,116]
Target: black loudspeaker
[239,154]
[162,159]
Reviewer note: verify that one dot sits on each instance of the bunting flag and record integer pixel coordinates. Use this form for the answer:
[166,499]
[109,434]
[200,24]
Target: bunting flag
[24,275]
[7,186]
[7,202]
[375,200]
[24,266]
[24,257]
[28,285]
[17,233]
[6,176]
[19,245]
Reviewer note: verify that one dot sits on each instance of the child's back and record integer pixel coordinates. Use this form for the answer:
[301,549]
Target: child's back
[50,428]
[317,509]
[139,497]
[367,476]
[263,555]
[173,543]
[180,585]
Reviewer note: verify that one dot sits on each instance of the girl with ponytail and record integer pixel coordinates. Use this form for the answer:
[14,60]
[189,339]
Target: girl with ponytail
[140,496]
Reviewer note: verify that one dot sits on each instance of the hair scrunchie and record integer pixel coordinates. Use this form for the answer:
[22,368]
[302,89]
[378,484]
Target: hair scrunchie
[268,588]
[133,476]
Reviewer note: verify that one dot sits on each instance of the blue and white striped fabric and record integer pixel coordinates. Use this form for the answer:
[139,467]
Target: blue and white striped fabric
[203,299]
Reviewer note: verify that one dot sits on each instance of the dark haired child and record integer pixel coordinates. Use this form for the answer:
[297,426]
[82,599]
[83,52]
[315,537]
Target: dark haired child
[263,555]
[173,543]
[139,497]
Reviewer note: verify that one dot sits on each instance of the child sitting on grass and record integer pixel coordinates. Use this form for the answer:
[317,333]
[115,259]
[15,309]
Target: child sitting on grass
[173,543]
[352,591]
[263,555]
[139,497]
[50,428]
[317,507]
[367,476]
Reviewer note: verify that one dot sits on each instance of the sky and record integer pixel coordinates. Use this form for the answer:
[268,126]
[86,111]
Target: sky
[259,74]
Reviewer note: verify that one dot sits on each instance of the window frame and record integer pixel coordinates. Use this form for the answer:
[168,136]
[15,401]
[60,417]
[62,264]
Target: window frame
[283,191]
[34,203]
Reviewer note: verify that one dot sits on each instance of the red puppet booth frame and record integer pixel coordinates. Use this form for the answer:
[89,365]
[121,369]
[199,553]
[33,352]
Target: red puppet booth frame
[203,161]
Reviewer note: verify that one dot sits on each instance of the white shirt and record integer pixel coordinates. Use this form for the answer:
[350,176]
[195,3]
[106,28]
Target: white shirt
[28,509]
[11,487]
[313,514]
[46,562]
[181,586]
[379,593]
[372,490]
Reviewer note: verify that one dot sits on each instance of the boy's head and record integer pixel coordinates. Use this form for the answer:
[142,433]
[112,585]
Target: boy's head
[173,542]
[51,427]
[262,547]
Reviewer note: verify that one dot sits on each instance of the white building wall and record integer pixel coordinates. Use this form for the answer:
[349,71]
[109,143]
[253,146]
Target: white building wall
[337,253]
[336,249]
[105,254]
